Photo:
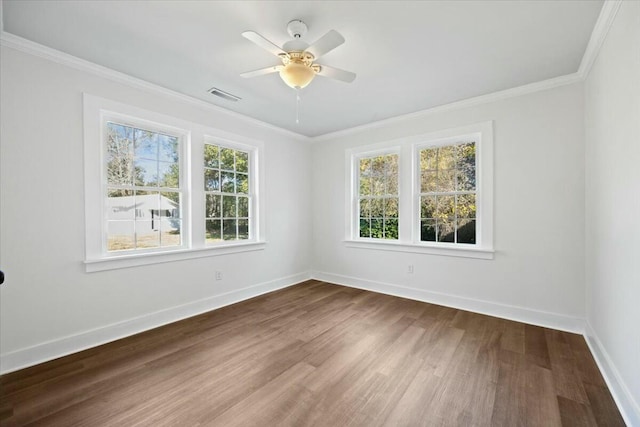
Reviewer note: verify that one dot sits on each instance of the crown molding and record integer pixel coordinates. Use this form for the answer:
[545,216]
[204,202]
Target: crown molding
[465,103]
[27,46]
[598,35]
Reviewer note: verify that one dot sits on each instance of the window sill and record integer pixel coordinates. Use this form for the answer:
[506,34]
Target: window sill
[465,252]
[134,260]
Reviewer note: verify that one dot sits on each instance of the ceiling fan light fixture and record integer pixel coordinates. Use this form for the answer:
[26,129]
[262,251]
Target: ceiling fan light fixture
[297,75]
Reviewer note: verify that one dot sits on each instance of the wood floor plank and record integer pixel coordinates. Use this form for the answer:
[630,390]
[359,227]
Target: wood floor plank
[318,354]
[535,346]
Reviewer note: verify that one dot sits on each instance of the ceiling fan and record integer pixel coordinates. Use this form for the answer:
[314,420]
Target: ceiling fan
[298,68]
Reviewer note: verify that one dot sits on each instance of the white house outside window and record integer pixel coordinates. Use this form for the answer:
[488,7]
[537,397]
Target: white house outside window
[160,189]
[143,188]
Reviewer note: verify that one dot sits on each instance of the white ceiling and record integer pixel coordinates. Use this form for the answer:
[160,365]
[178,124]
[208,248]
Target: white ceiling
[408,56]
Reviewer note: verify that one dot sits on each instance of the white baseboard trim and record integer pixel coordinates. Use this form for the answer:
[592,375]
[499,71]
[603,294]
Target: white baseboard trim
[629,408]
[510,312]
[54,349]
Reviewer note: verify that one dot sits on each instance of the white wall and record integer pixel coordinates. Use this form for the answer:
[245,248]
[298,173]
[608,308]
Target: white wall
[612,117]
[538,271]
[48,299]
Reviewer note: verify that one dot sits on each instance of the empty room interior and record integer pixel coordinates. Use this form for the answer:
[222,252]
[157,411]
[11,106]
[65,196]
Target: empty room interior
[320,213]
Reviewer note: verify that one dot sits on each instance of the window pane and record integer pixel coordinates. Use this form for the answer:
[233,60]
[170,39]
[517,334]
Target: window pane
[242,161]
[243,229]
[378,185]
[466,206]
[213,230]
[391,208]
[466,179]
[119,154]
[243,207]
[446,230]
[365,167]
[147,204]
[377,228]
[392,185]
[428,158]
[147,234]
[120,205]
[445,206]
[212,206]
[211,156]
[428,182]
[226,159]
[146,172]
[377,208]
[428,230]
[391,164]
[120,235]
[446,157]
[466,231]
[229,206]
[169,174]
[146,144]
[228,182]
[378,165]
[365,227]
[446,180]
[428,207]
[466,155]
[168,148]
[170,204]
[211,180]
[391,229]
[365,208]
[365,186]
[242,182]
[170,232]
[229,229]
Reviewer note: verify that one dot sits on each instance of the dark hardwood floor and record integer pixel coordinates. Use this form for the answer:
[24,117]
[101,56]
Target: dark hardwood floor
[326,355]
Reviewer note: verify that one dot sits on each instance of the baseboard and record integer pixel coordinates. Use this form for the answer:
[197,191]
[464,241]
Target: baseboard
[54,349]
[510,312]
[629,408]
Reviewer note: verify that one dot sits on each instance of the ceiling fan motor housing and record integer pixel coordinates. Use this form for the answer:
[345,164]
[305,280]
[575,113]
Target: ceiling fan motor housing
[296,28]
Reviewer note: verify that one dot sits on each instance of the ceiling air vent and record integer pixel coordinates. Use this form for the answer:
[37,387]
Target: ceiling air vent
[224,95]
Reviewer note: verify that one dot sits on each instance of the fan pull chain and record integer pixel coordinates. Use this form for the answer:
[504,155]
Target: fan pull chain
[297,105]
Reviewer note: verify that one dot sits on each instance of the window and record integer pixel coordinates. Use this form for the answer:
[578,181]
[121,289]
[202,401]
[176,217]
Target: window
[143,188]
[227,182]
[378,197]
[447,196]
[427,194]
[160,189]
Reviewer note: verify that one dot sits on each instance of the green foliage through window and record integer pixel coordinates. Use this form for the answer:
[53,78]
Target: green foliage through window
[378,197]
[448,193]
[227,199]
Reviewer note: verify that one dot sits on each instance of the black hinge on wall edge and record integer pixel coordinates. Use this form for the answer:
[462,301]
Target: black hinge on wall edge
[1,277]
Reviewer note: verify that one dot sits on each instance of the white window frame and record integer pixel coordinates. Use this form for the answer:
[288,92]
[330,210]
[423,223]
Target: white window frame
[183,137]
[355,231]
[254,185]
[97,111]
[409,192]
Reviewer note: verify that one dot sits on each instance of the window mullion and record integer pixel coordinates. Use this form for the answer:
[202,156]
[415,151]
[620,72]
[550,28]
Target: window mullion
[195,181]
[406,204]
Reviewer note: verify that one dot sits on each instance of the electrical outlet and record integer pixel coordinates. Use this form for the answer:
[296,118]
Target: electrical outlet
[218,275]
[410,269]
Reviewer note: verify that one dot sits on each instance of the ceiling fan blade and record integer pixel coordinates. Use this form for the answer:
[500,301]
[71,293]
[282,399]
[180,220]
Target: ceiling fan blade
[326,43]
[336,73]
[262,71]
[263,43]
